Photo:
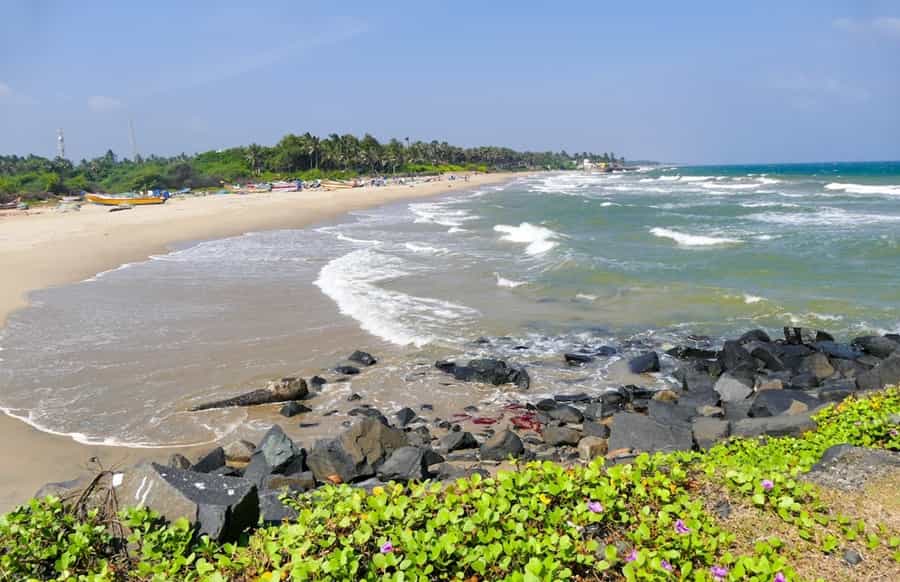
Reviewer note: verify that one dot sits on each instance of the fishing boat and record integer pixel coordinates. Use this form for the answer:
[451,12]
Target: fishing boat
[336,185]
[258,188]
[286,186]
[130,198]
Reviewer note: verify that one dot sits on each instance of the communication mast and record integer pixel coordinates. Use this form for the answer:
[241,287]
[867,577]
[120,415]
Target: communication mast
[134,151]
[60,144]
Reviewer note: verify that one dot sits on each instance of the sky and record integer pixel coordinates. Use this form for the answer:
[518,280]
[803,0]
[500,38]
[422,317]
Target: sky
[691,82]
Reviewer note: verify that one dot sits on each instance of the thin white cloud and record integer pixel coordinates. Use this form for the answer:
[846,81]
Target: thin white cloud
[811,92]
[102,103]
[883,25]
[12,97]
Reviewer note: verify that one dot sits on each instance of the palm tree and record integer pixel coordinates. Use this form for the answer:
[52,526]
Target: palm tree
[254,156]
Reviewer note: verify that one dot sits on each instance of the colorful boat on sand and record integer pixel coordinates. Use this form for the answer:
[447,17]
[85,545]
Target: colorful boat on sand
[129,199]
[284,186]
[337,185]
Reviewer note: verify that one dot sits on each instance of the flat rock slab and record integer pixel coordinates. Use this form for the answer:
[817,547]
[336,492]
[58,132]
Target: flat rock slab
[641,433]
[221,506]
[850,468]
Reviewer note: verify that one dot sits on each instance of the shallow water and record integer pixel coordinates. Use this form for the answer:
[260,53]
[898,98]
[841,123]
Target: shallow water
[549,262]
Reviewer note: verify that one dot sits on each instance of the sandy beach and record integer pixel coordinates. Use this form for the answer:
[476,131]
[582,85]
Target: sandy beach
[49,249]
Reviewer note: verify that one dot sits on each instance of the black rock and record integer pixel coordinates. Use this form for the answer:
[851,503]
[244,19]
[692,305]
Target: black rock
[277,449]
[838,351]
[695,376]
[283,390]
[689,353]
[561,435]
[804,381]
[755,335]
[405,464]
[272,509]
[432,457]
[347,370]
[293,409]
[363,358]
[641,433]
[799,335]
[578,397]
[605,351]
[884,374]
[708,431]
[470,408]
[317,382]
[357,453]
[354,397]
[565,413]
[211,461]
[428,407]
[735,411]
[222,507]
[722,509]
[595,411]
[835,390]
[501,446]
[648,362]
[594,428]
[455,441]
[546,404]
[767,354]
[638,392]
[178,461]
[575,359]
[775,402]
[445,366]
[404,416]
[735,358]
[876,345]
[669,412]
[369,413]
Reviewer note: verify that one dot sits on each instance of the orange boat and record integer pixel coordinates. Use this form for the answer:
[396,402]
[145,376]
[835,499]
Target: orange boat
[126,199]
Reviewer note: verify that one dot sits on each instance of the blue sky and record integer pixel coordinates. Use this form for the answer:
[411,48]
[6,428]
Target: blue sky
[700,81]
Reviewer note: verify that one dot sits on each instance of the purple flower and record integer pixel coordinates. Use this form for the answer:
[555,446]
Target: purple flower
[681,528]
[595,506]
[719,573]
[779,577]
[665,565]
[631,557]
[767,484]
[387,547]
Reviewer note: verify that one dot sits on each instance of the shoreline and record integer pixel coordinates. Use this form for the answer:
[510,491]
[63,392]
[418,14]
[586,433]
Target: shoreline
[49,249]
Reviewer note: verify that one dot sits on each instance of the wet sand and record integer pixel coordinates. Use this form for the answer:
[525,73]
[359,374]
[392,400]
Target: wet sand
[50,249]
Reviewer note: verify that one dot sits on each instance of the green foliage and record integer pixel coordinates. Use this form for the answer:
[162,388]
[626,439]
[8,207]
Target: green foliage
[639,521]
[295,156]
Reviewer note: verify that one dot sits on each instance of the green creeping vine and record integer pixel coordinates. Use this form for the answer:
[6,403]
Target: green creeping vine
[542,522]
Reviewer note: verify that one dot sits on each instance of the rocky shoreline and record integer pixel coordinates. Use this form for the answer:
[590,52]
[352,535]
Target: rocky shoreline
[752,386]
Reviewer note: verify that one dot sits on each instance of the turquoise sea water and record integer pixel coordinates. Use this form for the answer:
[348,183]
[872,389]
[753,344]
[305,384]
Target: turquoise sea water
[543,264]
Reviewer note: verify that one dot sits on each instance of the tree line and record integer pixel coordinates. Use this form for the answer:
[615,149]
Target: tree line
[303,156]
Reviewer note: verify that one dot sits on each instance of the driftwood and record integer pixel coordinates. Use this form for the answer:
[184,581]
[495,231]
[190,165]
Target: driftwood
[275,391]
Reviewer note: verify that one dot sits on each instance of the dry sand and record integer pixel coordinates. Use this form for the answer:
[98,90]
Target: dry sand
[50,249]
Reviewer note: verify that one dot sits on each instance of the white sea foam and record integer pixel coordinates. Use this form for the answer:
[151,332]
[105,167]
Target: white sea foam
[585,297]
[825,217]
[361,241]
[102,274]
[537,238]
[769,205]
[439,213]
[751,299]
[888,189]
[692,240]
[352,280]
[423,249]
[508,283]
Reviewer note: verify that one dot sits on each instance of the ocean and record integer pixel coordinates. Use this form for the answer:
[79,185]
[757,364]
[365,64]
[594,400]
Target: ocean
[544,264]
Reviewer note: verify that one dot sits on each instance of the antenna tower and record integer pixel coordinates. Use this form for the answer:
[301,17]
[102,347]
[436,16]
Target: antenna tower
[60,144]
[134,151]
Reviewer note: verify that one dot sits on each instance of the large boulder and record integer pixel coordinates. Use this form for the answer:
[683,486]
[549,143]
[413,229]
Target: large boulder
[405,464]
[577,359]
[755,335]
[768,354]
[782,425]
[275,391]
[850,468]
[501,446]
[696,376]
[670,412]
[648,362]
[735,358]
[356,453]
[239,451]
[641,433]
[876,345]
[487,371]
[456,441]
[887,373]
[561,435]
[775,402]
[276,453]
[565,413]
[838,351]
[222,507]
[818,365]
[591,447]
[215,459]
[732,388]
[689,353]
